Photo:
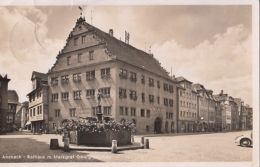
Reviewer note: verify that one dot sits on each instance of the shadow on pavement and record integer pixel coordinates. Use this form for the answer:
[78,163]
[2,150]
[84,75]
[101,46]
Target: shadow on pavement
[30,150]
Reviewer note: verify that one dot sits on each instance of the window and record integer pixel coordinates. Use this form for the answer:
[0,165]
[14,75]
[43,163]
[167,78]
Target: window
[68,60]
[165,101]
[171,89]
[90,75]
[142,79]
[91,55]
[54,81]
[83,39]
[54,125]
[65,96]
[158,84]
[33,111]
[169,115]
[148,112]
[126,110]
[158,100]
[123,73]
[171,102]
[133,95]
[151,98]
[165,87]
[105,73]
[77,77]
[147,128]
[107,110]
[75,41]
[151,82]
[105,92]
[72,112]
[38,110]
[77,95]
[57,113]
[65,79]
[143,97]
[54,97]
[80,28]
[122,93]
[79,57]
[30,112]
[133,77]
[142,113]
[94,111]
[90,93]
[121,110]
[133,111]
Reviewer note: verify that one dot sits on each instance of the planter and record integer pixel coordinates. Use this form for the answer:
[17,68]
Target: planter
[100,139]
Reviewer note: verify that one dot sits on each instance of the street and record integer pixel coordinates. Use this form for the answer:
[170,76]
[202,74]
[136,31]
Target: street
[183,148]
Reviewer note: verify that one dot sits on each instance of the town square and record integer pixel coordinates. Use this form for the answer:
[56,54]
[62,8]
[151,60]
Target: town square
[147,83]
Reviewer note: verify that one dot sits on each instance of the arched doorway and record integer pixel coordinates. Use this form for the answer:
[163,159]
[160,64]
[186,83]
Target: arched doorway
[166,126]
[158,125]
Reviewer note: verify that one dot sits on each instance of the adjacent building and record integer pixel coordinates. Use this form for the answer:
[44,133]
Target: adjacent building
[21,117]
[3,102]
[187,106]
[225,108]
[203,107]
[38,103]
[13,101]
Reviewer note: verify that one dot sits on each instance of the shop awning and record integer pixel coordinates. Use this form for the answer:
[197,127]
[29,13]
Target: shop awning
[28,123]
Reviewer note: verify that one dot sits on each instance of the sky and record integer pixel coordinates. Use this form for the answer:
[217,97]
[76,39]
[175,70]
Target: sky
[206,44]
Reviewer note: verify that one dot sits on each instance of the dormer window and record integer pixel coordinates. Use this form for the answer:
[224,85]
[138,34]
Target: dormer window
[68,60]
[76,41]
[80,28]
[91,55]
[83,39]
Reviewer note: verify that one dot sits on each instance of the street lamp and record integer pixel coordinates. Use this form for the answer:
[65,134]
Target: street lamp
[201,120]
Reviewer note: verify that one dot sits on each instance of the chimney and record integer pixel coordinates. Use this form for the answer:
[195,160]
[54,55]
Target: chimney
[221,92]
[111,33]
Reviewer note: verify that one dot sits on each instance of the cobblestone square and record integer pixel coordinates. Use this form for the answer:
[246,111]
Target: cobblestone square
[219,147]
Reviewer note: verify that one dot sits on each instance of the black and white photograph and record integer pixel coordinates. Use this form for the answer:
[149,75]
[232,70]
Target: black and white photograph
[107,82]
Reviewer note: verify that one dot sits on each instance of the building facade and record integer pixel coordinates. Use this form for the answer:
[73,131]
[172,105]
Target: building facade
[21,117]
[133,85]
[13,102]
[211,111]
[38,103]
[226,110]
[203,107]
[3,102]
[187,110]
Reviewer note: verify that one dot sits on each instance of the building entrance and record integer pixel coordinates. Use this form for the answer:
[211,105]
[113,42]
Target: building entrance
[158,125]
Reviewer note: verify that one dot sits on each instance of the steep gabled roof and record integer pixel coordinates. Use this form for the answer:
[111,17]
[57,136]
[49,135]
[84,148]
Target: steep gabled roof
[39,75]
[131,55]
[125,52]
[13,97]
[181,79]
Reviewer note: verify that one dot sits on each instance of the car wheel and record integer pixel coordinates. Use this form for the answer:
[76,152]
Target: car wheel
[245,142]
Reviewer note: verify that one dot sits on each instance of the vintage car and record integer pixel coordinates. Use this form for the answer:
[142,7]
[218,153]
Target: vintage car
[244,140]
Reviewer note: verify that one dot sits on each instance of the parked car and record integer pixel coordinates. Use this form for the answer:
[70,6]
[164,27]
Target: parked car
[244,140]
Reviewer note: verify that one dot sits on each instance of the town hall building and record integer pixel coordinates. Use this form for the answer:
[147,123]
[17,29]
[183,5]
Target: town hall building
[133,85]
